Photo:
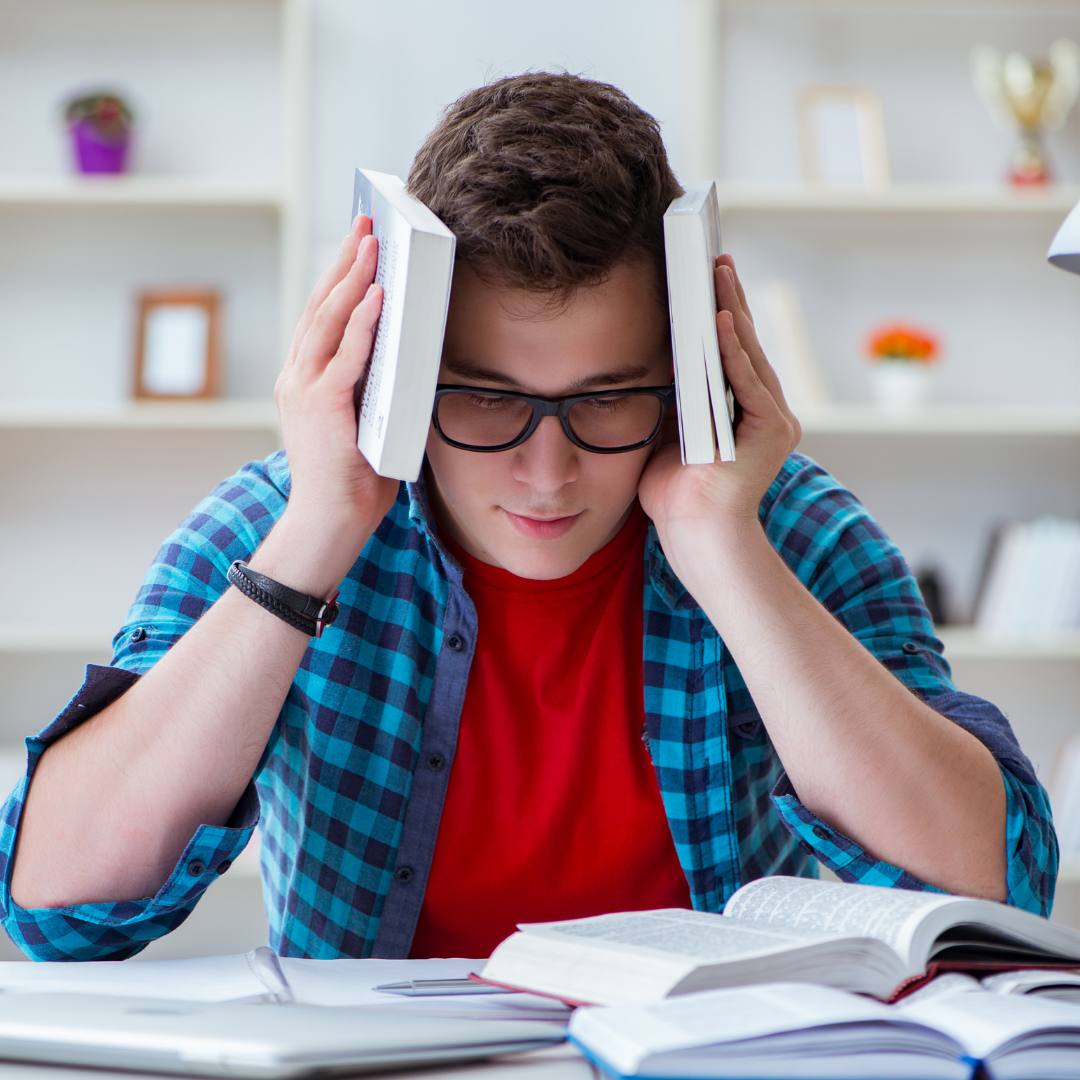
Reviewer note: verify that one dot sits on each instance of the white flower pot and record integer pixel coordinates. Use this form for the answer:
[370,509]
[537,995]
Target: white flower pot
[900,385]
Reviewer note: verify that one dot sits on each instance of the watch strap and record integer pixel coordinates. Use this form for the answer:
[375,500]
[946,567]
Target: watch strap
[308,614]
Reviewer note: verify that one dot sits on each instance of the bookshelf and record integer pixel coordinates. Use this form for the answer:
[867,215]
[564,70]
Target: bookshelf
[218,196]
[898,200]
[92,481]
[134,191]
[948,246]
[222,415]
[957,420]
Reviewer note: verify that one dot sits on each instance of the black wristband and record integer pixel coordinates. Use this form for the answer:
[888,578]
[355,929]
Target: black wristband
[306,613]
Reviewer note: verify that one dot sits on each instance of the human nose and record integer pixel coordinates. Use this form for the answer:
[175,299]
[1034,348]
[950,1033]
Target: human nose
[547,460]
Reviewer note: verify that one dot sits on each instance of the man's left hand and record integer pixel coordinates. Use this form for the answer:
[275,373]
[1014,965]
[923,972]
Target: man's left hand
[684,498]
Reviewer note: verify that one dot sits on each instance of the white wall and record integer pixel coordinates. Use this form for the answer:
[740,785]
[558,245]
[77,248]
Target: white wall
[383,72]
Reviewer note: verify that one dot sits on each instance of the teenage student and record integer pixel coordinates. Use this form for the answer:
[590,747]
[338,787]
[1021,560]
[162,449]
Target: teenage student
[568,674]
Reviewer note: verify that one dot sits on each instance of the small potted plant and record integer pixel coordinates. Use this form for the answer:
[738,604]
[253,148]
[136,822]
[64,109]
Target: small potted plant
[100,127]
[902,356]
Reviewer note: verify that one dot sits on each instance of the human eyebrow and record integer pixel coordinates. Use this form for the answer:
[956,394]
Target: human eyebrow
[466,370]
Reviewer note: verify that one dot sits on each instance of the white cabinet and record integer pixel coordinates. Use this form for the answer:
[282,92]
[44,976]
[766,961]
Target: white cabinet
[949,246]
[90,483]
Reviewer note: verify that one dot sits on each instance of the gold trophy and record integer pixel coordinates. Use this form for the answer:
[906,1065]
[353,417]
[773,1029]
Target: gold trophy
[1028,97]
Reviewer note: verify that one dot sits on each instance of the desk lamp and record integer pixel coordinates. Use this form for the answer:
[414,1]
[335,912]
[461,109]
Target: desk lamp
[1065,247]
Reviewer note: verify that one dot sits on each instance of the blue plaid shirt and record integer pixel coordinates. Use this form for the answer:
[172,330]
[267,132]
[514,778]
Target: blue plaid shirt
[351,785]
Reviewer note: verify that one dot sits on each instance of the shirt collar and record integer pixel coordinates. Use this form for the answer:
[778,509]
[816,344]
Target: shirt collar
[421,516]
[668,587]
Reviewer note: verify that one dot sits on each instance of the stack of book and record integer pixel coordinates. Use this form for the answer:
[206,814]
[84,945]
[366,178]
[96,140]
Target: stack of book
[1031,586]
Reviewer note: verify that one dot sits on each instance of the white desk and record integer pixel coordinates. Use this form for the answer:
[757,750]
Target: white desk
[553,1063]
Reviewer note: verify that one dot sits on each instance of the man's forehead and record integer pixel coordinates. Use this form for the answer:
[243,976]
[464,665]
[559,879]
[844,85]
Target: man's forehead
[590,375]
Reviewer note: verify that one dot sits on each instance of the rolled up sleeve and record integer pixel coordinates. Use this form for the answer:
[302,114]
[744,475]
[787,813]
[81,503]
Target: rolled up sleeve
[113,931]
[1031,843]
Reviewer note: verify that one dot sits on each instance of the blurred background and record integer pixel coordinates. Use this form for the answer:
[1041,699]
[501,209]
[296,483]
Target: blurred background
[174,174]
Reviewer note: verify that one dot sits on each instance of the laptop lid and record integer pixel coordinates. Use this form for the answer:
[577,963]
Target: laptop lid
[274,1042]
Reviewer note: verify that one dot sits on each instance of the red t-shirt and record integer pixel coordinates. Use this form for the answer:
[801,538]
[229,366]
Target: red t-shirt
[552,810]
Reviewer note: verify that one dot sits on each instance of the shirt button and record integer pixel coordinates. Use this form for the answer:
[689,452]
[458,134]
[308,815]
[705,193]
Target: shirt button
[807,849]
[455,642]
[404,874]
[748,728]
[435,762]
[910,648]
[138,634]
[820,833]
[196,867]
[224,865]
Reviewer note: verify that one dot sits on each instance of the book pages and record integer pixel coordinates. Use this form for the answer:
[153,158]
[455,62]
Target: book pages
[890,915]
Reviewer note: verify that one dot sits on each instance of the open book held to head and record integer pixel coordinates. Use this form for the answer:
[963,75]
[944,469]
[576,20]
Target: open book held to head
[415,270]
[870,940]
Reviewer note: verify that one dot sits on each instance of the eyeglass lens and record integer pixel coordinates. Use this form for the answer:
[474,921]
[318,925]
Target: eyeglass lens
[607,421]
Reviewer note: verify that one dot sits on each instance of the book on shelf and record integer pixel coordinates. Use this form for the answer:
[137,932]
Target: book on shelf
[878,941]
[785,339]
[692,246]
[416,264]
[1064,791]
[1030,586]
[806,1032]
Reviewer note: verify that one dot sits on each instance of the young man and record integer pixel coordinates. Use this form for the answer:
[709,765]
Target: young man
[569,675]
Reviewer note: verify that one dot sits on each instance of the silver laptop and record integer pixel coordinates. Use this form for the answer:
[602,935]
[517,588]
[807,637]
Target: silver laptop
[275,1042]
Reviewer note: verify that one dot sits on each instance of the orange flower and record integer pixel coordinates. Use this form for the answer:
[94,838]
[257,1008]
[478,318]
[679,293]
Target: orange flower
[899,342]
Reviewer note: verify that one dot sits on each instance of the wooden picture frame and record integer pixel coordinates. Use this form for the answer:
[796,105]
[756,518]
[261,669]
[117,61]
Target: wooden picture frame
[842,137]
[176,353]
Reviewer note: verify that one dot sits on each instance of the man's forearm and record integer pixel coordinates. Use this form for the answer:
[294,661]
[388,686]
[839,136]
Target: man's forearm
[863,753]
[113,804]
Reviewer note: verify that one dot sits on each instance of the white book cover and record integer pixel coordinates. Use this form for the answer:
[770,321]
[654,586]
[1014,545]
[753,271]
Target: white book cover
[692,245]
[416,265]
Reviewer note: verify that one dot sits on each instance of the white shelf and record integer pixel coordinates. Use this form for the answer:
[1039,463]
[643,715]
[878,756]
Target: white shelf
[56,640]
[865,419]
[967,643]
[120,191]
[223,415]
[1055,201]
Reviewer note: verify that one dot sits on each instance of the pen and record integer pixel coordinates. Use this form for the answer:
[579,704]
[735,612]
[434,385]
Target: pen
[267,969]
[426,987]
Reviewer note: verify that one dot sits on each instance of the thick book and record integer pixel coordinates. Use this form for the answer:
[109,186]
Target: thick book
[804,1032]
[877,941]
[691,247]
[416,264]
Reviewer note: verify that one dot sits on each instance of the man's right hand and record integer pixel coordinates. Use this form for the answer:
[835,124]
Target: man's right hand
[337,500]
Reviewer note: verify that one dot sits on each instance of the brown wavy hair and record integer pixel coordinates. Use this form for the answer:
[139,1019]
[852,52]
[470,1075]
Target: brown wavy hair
[548,181]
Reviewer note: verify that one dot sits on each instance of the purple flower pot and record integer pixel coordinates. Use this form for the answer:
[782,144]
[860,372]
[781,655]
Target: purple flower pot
[96,153]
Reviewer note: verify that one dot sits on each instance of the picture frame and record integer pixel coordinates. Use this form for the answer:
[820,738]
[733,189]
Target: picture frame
[177,353]
[842,143]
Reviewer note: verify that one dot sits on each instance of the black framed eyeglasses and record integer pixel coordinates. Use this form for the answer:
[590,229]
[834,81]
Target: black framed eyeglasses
[487,421]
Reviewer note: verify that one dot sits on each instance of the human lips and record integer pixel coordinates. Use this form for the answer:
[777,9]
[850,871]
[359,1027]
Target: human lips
[542,528]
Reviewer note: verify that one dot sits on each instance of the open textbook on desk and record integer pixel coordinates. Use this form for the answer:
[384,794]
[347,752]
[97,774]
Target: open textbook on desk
[877,941]
[803,1032]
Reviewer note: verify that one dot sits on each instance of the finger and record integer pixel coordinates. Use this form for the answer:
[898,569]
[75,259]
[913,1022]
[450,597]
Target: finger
[324,335]
[351,360]
[752,393]
[728,292]
[729,262]
[330,278]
